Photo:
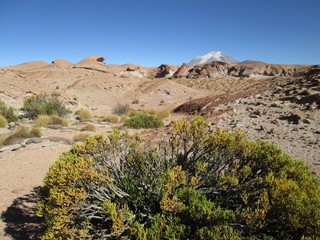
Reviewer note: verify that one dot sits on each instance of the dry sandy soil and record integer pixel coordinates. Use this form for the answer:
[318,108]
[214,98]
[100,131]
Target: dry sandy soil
[261,107]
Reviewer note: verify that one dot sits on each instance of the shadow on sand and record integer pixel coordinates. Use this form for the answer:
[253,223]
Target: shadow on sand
[20,217]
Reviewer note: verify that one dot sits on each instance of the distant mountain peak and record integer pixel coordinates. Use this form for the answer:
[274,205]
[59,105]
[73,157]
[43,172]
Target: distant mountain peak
[211,57]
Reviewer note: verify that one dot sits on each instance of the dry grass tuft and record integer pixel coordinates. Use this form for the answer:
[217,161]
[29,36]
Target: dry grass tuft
[80,137]
[89,127]
[165,113]
[112,118]
[21,133]
[84,114]
[3,122]
[43,121]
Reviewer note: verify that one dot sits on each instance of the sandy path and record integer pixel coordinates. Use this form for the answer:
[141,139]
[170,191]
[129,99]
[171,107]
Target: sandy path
[20,172]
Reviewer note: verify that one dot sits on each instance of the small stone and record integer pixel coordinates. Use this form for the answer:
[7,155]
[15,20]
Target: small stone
[307,121]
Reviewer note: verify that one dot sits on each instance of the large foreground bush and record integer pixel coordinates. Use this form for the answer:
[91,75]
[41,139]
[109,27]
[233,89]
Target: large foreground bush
[43,104]
[198,185]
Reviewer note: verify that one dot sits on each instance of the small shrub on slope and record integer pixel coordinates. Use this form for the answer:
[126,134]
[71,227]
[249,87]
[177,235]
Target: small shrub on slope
[198,185]
[121,109]
[7,112]
[43,104]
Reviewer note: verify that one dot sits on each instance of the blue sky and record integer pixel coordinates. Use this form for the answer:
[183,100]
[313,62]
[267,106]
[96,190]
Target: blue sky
[149,32]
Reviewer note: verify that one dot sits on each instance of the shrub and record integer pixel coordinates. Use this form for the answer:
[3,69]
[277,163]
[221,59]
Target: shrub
[143,121]
[163,113]
[124,118]
[43,104]
[121,109]
[80,137]
[135,101]
[84,114]
[21,133]
[89,127]
[7,112]
[198,185]
[3,122]
[44,120]
[111,118]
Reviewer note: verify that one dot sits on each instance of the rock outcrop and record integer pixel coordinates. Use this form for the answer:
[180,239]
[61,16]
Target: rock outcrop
[182,71]
[93,62]
[166,70]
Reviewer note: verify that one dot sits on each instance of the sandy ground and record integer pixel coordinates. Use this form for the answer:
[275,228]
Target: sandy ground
[20,173]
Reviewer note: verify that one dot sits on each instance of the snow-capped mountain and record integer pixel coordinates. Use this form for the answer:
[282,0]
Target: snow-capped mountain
[210,57]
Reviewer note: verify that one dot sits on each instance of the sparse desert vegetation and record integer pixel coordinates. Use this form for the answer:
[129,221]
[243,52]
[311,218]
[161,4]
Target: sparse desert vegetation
[44,120]
[21,133]
[219,84]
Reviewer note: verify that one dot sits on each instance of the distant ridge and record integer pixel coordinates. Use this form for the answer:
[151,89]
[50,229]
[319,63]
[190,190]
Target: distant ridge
[211,57]
[251,62]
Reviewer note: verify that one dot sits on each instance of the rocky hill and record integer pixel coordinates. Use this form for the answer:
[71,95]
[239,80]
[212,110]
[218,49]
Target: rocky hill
[222,69]
[281,110]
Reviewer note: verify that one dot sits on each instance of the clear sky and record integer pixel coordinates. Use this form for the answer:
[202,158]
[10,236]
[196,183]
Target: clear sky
[152,32]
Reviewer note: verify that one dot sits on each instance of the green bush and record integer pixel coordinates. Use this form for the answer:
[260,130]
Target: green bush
[3,122]
[84,114]
[43,104]
[7,112]
[121,109]
[44,120]
[143,121]
[197,185]
[21,133]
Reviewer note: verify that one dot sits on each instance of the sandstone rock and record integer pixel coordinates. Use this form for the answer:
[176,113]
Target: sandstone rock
[166,70]
[182,71]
